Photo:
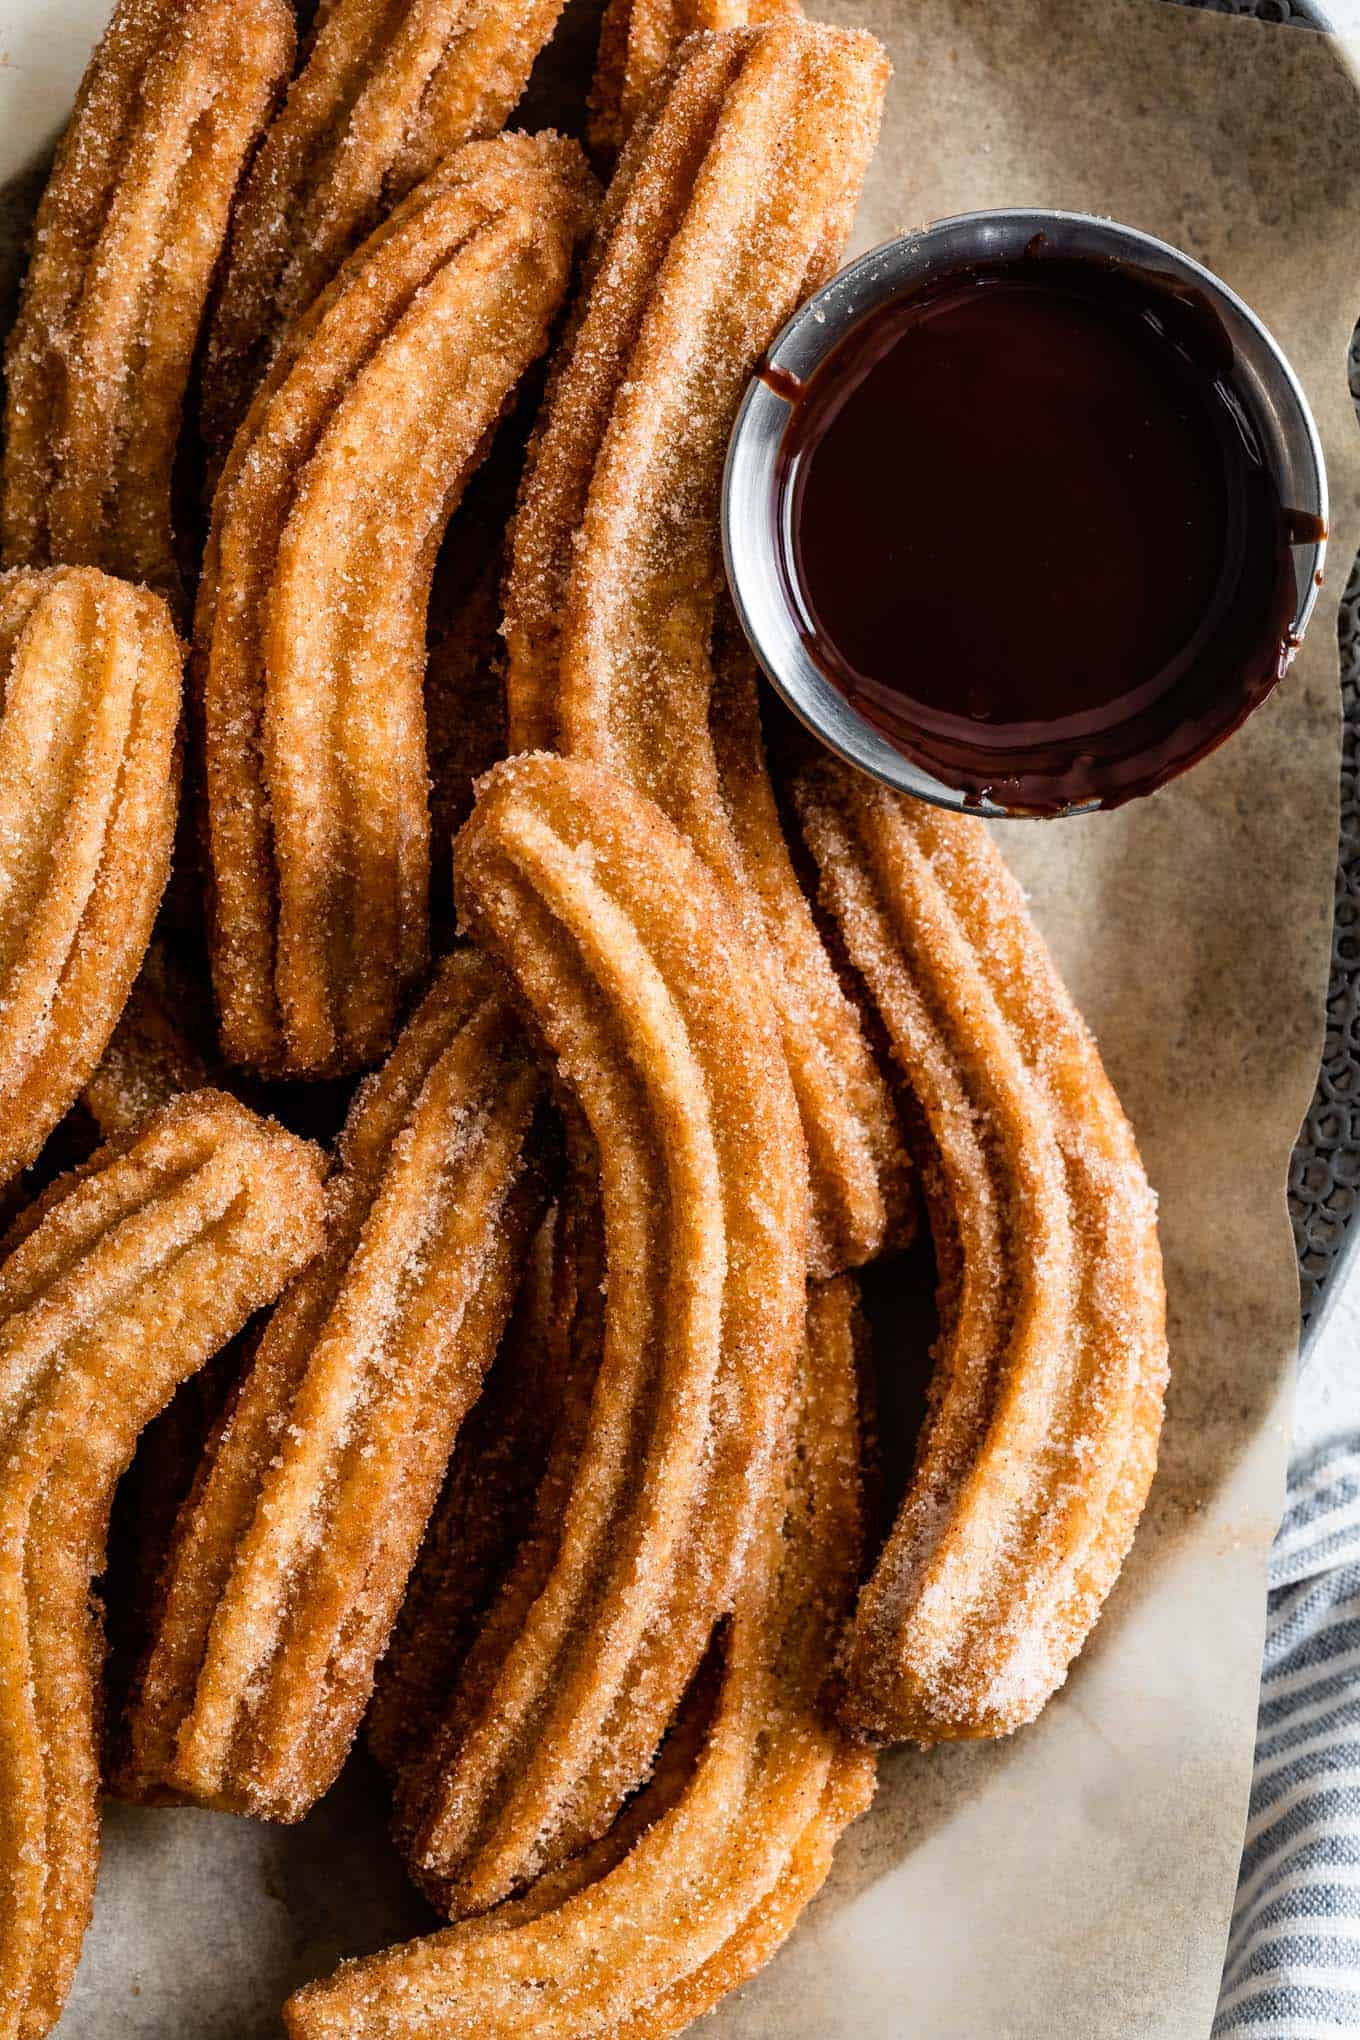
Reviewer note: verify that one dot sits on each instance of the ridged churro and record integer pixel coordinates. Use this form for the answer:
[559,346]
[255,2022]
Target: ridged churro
[118,1284]
[310,636]
[485,1510]
[389,89]
[731,202]
[694,1893]
[625,956]
[90,687]
[127,238]
[638,43]
[289,1560]
[1042,1438]
[480,1579]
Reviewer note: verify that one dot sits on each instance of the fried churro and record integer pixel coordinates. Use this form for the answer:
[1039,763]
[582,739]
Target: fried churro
[116,1285]
[90,686]
[1042,1437]
[694,1890]
[639,40]
[128,234]
[636,978]
[455,1669]
[485,1510]
[731,202]
[289,1560]
[389,89]
[310,637]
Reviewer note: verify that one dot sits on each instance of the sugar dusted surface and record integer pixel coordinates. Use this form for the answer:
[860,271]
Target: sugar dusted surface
[1042,1437]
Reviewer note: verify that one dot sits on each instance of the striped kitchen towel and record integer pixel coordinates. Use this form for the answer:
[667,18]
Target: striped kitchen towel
[1293,1967]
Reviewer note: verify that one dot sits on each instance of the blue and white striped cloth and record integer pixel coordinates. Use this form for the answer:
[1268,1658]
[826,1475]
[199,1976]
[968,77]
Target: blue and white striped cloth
[1293,1967]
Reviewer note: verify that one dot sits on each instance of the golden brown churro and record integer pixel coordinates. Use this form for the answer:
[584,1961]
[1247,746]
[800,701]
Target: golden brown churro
[127,237]
[485,1510]
[625,956]
[455,1673]
[90,686]
[690,1899]
[389,89]
[731,203]
[288,1562]
[638,43]
[310,636]
[117,1284]
[1042,1438]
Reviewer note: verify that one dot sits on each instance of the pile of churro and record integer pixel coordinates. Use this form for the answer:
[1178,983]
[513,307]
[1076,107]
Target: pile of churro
[457,1045]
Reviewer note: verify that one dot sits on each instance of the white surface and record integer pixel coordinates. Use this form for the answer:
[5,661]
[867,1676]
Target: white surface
[42,54]
[1327,1399]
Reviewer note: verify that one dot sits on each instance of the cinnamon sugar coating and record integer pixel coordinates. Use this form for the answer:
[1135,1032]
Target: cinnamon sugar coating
[704,1876]
[127,237]
[388,90]
[289,1558]
[638,43]
[731,203]
[310,636]
[486,1510]
[624,955]
[120,1282]
[89,778]
[1046,1407]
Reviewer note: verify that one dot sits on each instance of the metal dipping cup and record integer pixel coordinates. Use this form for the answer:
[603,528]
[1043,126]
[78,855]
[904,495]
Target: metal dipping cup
[1280,411]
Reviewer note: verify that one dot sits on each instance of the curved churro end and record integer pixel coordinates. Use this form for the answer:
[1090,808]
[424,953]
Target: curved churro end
[127,238]
[731,202]
[639,40]
[635,978]
[289,1559]
[89,775]
[310,635]
[1042,1438]
[121,1281]
[385,95]
[700,1880]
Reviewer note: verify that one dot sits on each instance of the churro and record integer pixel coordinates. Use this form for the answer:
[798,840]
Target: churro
[690,1898]
[1046,1411]
[731,202]
[310,636]
[625,956]
[389,89]
[450,1669]
[116,1285]
[90,680]
[128,234]
[289,1560]
[485,1510]
[638,43]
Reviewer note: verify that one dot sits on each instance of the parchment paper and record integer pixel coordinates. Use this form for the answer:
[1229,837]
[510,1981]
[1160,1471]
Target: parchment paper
[1077,1879]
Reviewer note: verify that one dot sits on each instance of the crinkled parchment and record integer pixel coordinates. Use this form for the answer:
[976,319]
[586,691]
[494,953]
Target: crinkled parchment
[1078,1878]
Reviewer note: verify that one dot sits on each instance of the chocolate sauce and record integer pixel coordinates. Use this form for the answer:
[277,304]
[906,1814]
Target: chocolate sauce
[1030,533]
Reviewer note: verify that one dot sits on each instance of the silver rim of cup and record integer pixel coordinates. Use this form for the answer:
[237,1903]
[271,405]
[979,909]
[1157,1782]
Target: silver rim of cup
[750,544]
